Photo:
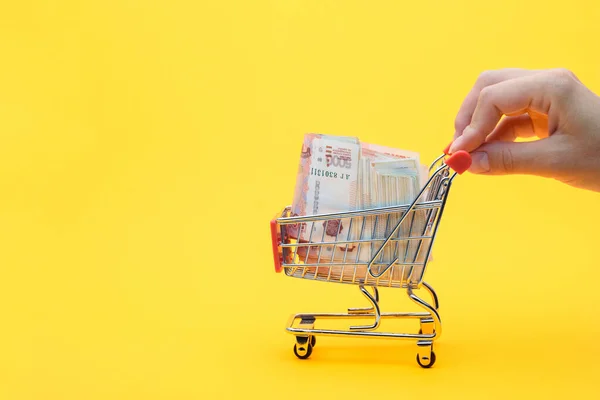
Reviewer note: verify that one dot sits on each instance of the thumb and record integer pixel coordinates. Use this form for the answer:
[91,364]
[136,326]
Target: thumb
[509,158]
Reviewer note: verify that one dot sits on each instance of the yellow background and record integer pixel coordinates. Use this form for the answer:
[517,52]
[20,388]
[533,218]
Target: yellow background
[145,146]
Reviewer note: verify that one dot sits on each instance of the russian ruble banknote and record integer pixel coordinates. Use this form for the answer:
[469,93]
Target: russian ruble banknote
[337,174]
[326,183]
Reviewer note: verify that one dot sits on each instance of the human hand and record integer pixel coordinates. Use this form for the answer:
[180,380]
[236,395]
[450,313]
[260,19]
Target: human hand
[552,105]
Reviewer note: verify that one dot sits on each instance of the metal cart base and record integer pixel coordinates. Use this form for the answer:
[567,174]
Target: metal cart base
[303,325]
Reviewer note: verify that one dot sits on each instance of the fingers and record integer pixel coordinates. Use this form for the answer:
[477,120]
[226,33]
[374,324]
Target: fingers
[536,93]
[505,158]
[523,126]
[487,78]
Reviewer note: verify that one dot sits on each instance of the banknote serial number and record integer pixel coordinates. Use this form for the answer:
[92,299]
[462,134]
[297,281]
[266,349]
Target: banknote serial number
[329,174]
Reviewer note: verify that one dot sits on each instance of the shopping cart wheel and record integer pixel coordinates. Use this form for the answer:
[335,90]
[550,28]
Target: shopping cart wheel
[429,363]
[313,341]
[303,351]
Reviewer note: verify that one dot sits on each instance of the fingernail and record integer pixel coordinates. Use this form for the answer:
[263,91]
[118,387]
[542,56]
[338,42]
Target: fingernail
[479,163]
[456,145]
[459,143]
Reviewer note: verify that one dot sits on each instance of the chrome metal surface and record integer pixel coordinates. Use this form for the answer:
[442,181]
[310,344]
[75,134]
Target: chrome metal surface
[429,318]
[374,299]
[366,310]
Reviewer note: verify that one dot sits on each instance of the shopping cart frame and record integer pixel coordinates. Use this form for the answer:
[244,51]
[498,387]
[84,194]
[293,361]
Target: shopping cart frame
[302,325]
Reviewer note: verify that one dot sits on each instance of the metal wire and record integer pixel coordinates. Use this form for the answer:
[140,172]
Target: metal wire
[371,257]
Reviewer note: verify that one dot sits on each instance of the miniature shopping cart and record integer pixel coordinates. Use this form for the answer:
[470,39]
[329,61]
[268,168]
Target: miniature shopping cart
[373,248]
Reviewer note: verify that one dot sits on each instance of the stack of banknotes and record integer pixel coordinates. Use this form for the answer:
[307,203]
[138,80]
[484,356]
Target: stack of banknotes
[338,173]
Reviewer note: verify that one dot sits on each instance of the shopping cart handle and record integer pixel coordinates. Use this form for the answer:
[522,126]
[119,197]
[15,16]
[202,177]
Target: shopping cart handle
[459,161]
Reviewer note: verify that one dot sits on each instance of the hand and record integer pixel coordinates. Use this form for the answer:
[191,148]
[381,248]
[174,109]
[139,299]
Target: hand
[552,105]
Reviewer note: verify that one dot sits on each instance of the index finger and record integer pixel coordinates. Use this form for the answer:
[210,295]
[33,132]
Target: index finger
[485,79]
[513,97]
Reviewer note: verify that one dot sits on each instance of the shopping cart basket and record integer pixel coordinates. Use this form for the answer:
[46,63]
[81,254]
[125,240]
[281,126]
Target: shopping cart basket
[380,247]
